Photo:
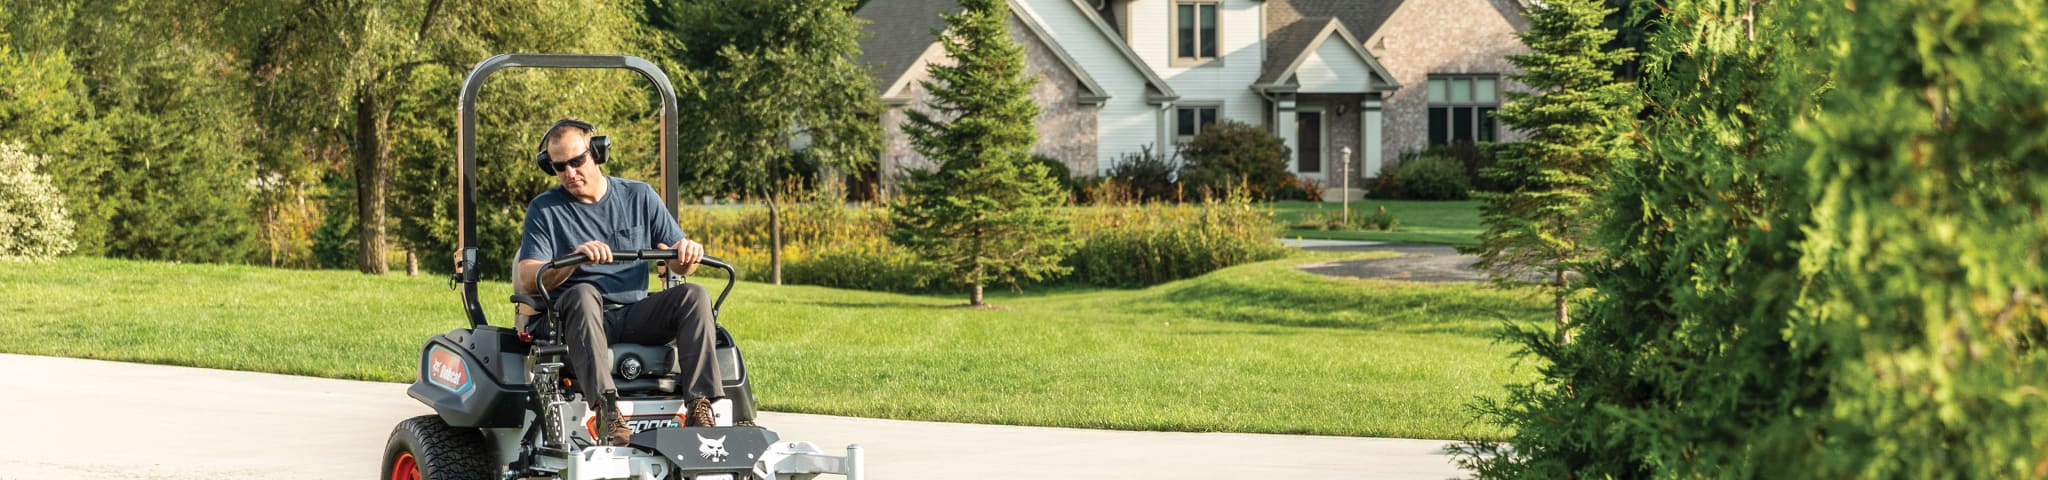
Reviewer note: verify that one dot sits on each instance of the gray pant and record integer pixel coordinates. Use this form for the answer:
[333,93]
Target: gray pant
[681,315]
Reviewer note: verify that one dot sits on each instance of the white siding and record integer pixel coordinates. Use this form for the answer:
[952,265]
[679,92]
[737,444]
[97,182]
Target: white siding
[1333,68]
[1228,79]
[1125,122]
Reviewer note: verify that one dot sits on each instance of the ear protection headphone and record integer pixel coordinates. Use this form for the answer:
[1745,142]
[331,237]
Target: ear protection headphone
[600,146]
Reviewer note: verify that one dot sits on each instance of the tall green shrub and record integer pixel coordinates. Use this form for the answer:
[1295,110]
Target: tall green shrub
[1542,225]
[1141,176]
[1425,176]
[989,214]
[33,223]
[1230,153]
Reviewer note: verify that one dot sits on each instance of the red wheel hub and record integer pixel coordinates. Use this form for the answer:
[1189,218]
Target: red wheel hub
[405,468]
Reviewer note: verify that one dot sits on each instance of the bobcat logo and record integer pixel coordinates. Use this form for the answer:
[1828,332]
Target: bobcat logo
[712,449]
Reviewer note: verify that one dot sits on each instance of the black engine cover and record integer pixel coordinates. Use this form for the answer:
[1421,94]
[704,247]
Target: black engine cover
[474,378]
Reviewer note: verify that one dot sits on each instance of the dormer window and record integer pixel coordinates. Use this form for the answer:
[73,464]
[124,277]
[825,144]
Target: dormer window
[1194,32]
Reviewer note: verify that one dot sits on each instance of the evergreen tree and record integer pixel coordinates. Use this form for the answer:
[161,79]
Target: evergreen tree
[1680,363]
[1540,228]
[1827,262]
[1925,296]
[988,213]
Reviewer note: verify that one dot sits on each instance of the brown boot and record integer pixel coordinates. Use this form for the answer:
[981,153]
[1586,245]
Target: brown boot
[700,413]
[616,432]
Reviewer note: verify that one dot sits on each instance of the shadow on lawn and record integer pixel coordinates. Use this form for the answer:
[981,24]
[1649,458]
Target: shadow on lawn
[835,304]
[1470,310]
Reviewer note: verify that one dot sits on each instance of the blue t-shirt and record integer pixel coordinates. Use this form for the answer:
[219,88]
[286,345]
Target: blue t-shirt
[629,217]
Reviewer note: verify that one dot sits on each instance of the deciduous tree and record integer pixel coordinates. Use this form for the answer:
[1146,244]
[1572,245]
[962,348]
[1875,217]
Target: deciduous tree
[770,75]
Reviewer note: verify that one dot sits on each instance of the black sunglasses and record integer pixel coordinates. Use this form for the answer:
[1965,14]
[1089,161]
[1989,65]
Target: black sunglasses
[572,162]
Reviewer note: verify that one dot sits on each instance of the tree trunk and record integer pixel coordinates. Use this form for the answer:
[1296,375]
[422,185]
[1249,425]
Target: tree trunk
[412,263]
[774,237]
[974,277]
[1564,333]
[369,163]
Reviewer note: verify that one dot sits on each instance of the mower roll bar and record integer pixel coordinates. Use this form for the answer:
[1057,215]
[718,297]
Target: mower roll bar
[465,157]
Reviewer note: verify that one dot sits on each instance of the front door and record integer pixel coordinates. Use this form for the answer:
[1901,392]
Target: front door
[1309,125]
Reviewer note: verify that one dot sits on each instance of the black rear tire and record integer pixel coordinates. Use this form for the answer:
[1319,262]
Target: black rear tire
[426,448]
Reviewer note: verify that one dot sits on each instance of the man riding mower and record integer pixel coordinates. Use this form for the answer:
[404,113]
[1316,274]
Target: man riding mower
[654,388]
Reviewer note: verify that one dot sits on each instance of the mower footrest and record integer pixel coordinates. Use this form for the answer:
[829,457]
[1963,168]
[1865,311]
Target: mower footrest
[802,461]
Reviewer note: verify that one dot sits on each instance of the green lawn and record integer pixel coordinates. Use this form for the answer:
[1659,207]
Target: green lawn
[1256,348]
[1441,222]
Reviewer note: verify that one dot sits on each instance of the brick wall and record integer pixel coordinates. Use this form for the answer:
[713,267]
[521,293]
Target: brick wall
[1440,37]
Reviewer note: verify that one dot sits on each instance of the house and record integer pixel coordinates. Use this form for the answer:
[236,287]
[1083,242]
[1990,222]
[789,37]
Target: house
[1382,78]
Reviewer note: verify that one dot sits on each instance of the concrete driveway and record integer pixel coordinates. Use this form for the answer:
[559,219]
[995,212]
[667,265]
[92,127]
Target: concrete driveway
[69,418]
[1417,263]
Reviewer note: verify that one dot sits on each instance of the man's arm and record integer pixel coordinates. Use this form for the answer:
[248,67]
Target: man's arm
[523,281]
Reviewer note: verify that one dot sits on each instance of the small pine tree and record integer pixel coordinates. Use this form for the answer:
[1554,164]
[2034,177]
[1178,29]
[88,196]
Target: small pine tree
[1542,226]
[988,213]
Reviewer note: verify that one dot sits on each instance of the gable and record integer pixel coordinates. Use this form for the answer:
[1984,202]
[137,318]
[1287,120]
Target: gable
[1335,68]
[1330,60]
[1092,43]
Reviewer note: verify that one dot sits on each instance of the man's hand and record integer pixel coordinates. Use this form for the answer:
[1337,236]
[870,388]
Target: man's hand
[688,253]
[596,251]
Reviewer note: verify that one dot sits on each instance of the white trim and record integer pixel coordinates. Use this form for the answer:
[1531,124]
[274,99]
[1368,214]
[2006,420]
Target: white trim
[1165,93]
[1371,137]
[1031,21]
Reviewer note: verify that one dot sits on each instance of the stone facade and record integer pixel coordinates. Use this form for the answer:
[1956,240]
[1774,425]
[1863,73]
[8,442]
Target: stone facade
[1441,37]
[1066,127]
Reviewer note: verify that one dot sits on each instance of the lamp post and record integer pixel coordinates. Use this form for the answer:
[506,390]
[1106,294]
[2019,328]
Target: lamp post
[1346,153]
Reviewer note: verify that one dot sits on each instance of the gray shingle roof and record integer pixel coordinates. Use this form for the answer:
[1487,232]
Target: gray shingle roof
[1361,17]
[1287,43]
[899,32]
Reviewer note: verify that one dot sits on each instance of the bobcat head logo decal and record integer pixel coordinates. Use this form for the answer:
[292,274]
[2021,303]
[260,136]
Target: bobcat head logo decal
[712,449]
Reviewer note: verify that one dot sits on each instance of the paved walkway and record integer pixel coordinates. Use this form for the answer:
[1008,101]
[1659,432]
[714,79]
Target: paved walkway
[1418,262]
[69,418]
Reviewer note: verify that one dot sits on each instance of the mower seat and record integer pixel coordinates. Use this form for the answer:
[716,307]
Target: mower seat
[656,366]
[644,369]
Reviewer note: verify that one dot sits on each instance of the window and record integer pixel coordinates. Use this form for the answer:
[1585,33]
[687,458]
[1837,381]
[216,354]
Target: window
[1189,121]
[1461,108]
[1194,32]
